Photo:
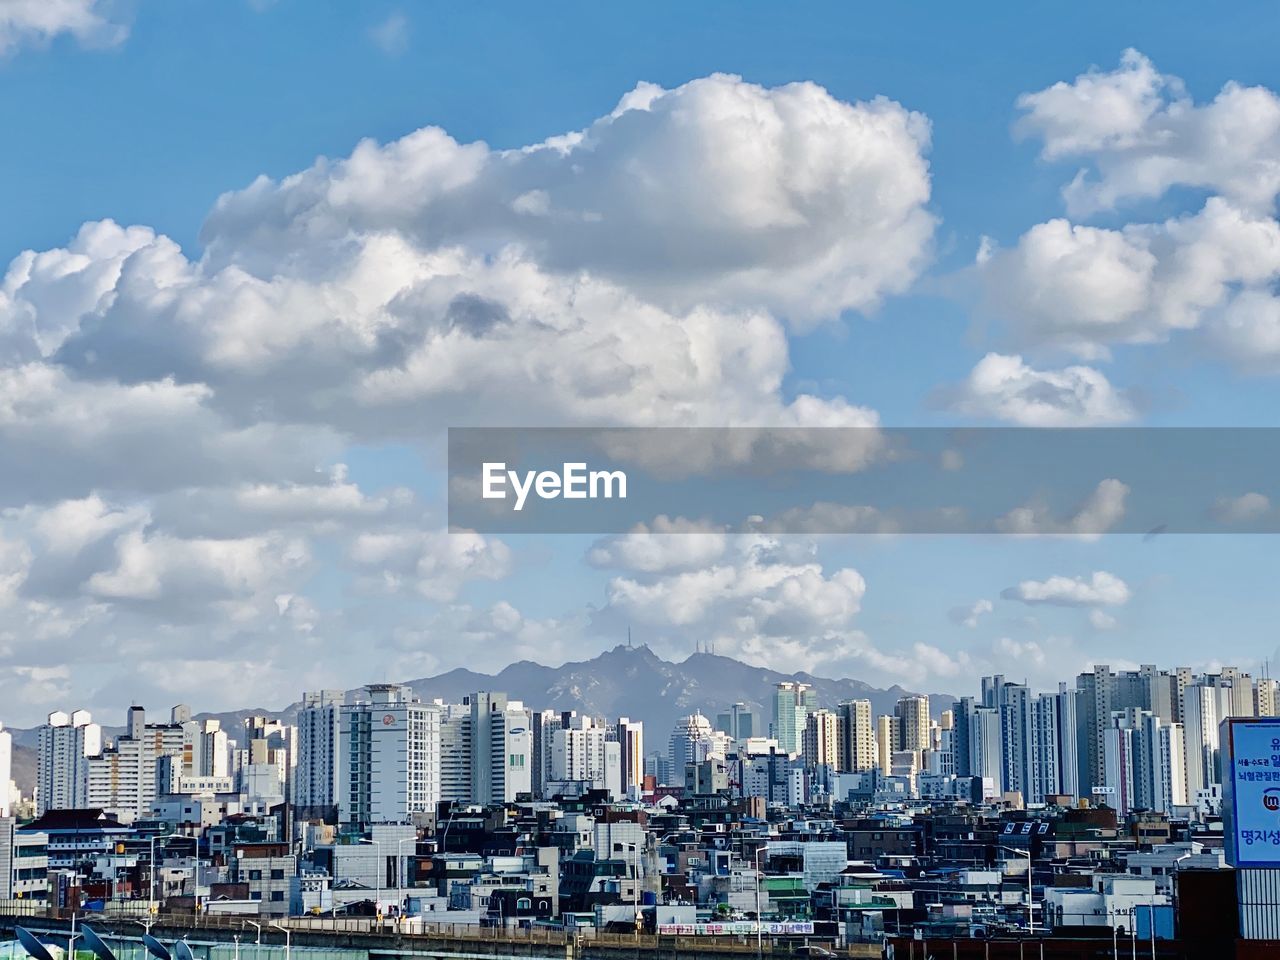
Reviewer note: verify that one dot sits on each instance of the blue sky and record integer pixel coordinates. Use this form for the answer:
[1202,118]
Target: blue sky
[152,112]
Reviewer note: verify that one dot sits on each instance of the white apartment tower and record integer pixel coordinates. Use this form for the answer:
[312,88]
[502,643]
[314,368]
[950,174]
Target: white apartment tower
[319,749]
[66,744]
[206,749]
[821,741]
[389,757]
[122,779]
[577,755]
[984,746]
[455,752]
[1017,737]
[501,748]
[1200,721]
[630,736]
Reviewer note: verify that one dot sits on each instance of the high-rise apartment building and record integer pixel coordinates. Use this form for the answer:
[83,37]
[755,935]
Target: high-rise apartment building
[389,757]
[792,702]
[683,745]
[857,736]
[67,742]
[501,748]
[630,736]
[455,752]
[1102,692]
[886,742]
[122,779]
[264,767]
[1266,703]
[985,753]
[319,752]
[912,715]
[1200,721]
[206,748]
[1143,756]
[1055,745]
[1018,759]
[577,753]
[821,741]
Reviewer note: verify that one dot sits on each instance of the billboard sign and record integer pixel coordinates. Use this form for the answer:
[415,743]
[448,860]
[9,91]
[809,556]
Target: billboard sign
[737,928]
[1251,790]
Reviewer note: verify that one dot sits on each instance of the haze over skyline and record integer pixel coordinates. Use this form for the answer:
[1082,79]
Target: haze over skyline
[250,282]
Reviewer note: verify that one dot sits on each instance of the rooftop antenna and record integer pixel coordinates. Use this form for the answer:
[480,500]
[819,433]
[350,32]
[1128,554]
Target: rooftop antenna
[628,636]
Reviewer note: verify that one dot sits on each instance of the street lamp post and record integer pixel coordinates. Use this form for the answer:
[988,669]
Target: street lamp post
[151,867]
[257,943]
[1031,915]
[399,862]
[287,938]
[377,877]
[759,918]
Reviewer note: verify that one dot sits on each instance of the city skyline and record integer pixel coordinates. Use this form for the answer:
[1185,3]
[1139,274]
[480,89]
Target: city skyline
[1100,736]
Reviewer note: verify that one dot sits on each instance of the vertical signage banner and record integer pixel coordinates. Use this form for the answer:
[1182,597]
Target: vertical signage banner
[1251,791]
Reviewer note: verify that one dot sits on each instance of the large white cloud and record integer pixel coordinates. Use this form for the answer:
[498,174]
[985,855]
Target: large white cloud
[1143,135]
[765,598]
[786,198]
[1084,288]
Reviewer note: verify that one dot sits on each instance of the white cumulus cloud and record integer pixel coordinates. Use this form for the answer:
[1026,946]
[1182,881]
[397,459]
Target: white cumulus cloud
[1100,589]
[1007,388]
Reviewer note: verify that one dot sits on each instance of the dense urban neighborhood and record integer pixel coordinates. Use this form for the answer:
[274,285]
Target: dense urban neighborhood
[1091,813]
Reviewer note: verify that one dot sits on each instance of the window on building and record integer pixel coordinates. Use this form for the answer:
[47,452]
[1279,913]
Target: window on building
[277,874]
[255,874]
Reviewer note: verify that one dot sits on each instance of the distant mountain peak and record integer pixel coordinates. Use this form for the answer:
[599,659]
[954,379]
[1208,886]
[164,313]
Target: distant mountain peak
[635,682]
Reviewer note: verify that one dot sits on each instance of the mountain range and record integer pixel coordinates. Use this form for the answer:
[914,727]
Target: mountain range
[623,682]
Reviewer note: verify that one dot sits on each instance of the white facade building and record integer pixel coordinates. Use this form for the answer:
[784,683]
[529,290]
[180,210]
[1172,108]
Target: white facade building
[389,767]
[123,779]
[682,747]
[24,862]
[455,752]
[577,755]
[66,744]
[630,736]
